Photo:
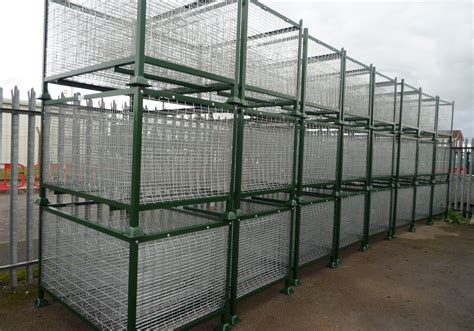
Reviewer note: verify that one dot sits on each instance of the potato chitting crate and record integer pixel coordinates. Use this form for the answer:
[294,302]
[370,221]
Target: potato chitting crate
[215,149]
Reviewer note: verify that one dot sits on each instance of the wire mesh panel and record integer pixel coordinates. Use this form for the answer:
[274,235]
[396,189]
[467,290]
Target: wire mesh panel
[355,154]
[422,209]
[404,205]
[440,198]
[272,51]
[445,118]
[87,270]
[411,100]
[425,157]
[181,279]
[380,211]
[316,230]
[320,154]
[186,152]
[88,148]
[357,89]
[384,99]
[323,79]
[443,151]
[383,155]
[352,219]
[268,153]
[407,157]
[264,251]
[427,113]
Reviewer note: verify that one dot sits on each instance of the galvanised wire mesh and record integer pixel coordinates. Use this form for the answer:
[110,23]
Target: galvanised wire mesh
[425,157]
[88,148]
[427,113]
[320,153]
[82,33]
[181,278]
[355,154]
[264,251]
[445,118]
[440,198]
[380,211]
[411,99]
[407,157]
[268,153]
[357,89]
[384,99]
[383,155]
[316,229]
[87,270]
[422,208]
[323,78]
[186,151]
[443,151]
[272,51]
[352,219]
[404,205]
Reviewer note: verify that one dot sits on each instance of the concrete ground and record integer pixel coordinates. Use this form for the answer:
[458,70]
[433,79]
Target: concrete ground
[420,281]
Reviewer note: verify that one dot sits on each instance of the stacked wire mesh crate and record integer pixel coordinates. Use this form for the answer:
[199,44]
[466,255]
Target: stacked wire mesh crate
[215,148]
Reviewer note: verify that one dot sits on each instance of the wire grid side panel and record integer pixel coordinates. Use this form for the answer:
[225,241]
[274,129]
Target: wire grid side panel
[323,78]
[422,208]
[383,155]
[352,219]
[316,229]
[427,114]
[181,278]
[440,198]
[384,99]
[264,251]
[355,154]
[445,119]
[410,105]
[357,89]
[407,157]
[442,158]
[404,206]
[83,33]
[186,152]
[268,153]
[320,154]
[425,158]
[87,270]
[380,211]
[89,149]
[197,34]
[272,51]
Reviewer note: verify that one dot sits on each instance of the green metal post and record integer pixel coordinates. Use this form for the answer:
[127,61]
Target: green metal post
[450,160]
[40,299]
[433,167]
[398,133]
[393,212]
[368,195]
[334,260]
[417,154]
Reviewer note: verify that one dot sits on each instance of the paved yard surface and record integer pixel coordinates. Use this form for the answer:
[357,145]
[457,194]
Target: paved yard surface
[420,281]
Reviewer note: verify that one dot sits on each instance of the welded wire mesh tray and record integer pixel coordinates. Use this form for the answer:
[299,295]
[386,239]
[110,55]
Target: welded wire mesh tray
[380,211]
[422,208]
[427,113]
[407,157]
[384,99]
[264,251]
[404,205]
[316,231]
[352,219]
[425,157]
[357,88]
[268,152]
[320,153]
[383,155]
[410,106]
[355,154]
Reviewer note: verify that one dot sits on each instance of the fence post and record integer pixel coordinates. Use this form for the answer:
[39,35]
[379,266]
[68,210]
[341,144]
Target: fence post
[30,183]
[1,125]
[469,179]
[464,178]
[14,185]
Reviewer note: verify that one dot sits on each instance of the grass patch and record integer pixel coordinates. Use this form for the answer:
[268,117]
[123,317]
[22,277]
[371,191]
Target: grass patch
[20,275]
[455,217]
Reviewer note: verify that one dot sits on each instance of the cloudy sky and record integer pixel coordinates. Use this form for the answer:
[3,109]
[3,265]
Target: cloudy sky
[428,43]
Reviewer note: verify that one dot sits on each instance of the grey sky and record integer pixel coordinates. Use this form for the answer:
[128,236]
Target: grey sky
[428,43]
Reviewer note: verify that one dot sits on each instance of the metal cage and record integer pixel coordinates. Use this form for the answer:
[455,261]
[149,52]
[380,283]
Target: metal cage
[352,219]
[383,155]
[404,206]
[380,211]
[423,196]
